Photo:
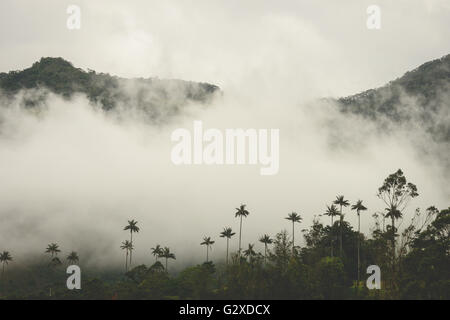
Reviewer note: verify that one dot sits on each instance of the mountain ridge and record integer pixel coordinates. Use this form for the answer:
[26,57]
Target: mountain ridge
[61,77]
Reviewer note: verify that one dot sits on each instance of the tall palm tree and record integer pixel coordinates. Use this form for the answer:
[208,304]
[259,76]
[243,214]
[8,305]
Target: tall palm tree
[157,251]
[5,258]
[241,212]
[358,206]
[207,242]
[227,233]
[332,212]
[53,249]
[128,247]
[72,258]
[132,226]
[250,252]
[342,203]
[266,240]
[294,217]
[167,255]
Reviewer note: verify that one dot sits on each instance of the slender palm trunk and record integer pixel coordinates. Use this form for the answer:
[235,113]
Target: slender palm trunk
[227,249]
[126,262]
[293,240]
[265,253]
[240,233]
[207,247]
[393,249]
[331,236]
[166,265]
[359,263]
[131,240]
[340,238]
[3,269]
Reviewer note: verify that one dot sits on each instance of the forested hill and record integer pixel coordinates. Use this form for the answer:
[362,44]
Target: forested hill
[61,77]
[421,95]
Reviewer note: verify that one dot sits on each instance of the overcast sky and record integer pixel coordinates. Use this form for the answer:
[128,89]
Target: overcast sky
[324,44]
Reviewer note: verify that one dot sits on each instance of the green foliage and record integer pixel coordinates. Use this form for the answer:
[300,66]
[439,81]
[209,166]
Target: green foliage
[61,77]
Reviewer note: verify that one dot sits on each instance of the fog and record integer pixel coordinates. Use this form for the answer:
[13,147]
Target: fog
[73,174]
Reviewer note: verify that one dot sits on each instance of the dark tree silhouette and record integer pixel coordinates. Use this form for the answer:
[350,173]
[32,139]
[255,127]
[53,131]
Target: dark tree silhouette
[341,202]
[294,217]
[241,212]
[208,243]
[358,206]
[132,226]
[227,233]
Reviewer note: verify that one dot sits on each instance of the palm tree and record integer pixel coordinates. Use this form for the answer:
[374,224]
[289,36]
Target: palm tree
[241,212]
[266,240]
[128,247]
[207,242]
[53,249]
[342,203]
[294,217]
[132,226]
[227,233]
[5,258]
[250,253]
[156,252]
[72,258]
[358,206]
[332,212]
[167,255]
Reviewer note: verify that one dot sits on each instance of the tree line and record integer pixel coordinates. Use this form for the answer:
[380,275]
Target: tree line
[414,262]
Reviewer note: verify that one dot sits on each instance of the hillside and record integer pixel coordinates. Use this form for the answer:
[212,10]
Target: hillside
[61,77]
[421,95]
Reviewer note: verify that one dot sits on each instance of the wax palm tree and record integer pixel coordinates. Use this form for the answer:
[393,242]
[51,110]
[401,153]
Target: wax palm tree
[208,243]
[128,247]
[341,202]
[5,258]
[132,226]
[358,206]
[157,251]
[250,252]
[53,249]
[72,258]
[294,217]
[227,233]
[266,240]
[241,212]
[167,255]
[332,212]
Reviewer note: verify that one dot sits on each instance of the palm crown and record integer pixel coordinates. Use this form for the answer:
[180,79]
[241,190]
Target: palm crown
[5,257]
[340,201]
[53,249]
[72,257]
[227,233]
[265,239]
[167,254]
[157,251]
[207,241]
[332,211]
[241,211]
[358,206]
[132,226]
[294,217]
